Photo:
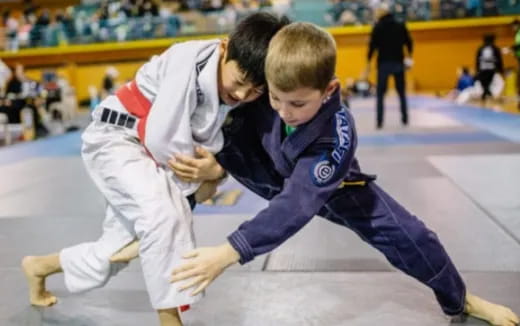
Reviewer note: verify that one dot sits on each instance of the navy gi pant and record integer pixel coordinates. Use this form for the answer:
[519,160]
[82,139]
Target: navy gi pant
[404,240]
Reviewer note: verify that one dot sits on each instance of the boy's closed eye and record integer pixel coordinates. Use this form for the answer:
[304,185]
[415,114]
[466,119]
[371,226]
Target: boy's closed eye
[259,90]
[298,104]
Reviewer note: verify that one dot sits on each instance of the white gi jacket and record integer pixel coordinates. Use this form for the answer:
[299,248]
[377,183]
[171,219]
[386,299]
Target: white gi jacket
[179,93]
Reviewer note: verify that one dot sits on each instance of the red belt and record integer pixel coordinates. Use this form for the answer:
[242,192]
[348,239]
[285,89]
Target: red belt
[136,104]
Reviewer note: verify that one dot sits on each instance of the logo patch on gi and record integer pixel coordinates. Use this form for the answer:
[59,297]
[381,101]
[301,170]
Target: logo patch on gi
[323,171]
[342,137]
[329,163]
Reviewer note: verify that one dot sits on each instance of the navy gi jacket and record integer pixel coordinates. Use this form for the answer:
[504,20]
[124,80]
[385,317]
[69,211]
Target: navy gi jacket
[297,174]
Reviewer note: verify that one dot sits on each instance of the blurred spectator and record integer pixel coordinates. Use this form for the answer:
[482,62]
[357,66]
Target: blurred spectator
[389,38]
[109,81]
[148,8]
[24,32]
[13,89]
[11,30]
[465,79]
[20,93]
[65,18]
[29,8]
[282,7]
[51,88]
[334,13]
[488,63]
[5,75]
[489,8]
[472,7]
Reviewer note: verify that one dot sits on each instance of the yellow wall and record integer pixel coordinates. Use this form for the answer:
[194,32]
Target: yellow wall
[90,75]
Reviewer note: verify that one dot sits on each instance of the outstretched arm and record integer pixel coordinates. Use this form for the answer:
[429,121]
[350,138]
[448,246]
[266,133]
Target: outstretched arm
[316,176]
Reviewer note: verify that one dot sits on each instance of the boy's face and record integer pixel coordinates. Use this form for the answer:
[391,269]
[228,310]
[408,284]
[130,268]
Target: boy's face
[300,105]
[233,87]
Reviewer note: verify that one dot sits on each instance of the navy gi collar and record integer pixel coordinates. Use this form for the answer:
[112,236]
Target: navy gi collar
[295,143]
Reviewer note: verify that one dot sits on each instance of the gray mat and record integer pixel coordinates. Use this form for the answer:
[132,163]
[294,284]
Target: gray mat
[492,181]
[255,298]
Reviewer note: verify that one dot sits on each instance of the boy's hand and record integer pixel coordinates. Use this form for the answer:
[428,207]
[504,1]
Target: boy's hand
[203,266]
[202,167]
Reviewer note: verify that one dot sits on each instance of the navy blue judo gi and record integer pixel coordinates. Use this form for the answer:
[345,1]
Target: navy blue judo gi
[313,171]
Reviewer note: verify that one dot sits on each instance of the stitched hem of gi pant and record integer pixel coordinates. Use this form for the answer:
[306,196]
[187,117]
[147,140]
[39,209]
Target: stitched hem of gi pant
[189,301]
[459,311]
[240,244]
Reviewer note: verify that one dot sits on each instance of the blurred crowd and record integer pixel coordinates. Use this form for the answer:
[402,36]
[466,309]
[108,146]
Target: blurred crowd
[48,100]
[122,20]
[351,12]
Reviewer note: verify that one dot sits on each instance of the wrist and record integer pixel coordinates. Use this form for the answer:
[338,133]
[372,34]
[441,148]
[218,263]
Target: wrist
[232,256]
[219,173]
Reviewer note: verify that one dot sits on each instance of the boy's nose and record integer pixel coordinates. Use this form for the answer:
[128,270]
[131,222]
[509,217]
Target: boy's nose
[284,113]
[241,94]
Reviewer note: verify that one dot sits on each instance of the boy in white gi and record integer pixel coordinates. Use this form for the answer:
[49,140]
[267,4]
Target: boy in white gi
[176,102]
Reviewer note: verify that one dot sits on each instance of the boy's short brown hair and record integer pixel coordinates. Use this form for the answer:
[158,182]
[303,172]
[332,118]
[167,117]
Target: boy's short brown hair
[301,55]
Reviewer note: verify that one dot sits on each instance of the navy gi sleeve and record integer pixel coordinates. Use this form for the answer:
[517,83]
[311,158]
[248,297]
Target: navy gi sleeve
[244,157]
[316,175]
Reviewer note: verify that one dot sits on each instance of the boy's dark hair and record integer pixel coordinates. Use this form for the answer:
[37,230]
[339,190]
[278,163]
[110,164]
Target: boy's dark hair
[249,41]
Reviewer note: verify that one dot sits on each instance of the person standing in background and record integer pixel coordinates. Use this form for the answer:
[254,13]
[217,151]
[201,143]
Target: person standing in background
[488,62]
[388,38]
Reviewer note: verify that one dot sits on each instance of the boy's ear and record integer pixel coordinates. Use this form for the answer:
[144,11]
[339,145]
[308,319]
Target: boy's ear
[223,47]
[332,86]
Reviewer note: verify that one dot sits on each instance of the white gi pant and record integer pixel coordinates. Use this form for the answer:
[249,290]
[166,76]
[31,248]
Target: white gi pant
[143,201]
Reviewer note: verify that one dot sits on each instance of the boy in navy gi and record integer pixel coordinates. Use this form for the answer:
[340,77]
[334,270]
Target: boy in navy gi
[296,148]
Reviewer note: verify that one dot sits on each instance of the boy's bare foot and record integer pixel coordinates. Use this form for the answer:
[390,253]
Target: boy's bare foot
[229,198]
[494,314]
[36,270]
[125,255]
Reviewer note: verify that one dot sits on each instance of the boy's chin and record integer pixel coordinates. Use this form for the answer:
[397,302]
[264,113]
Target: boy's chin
[229,101]
[292,124]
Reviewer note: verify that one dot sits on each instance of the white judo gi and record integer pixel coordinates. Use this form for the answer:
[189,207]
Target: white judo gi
[144,198]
